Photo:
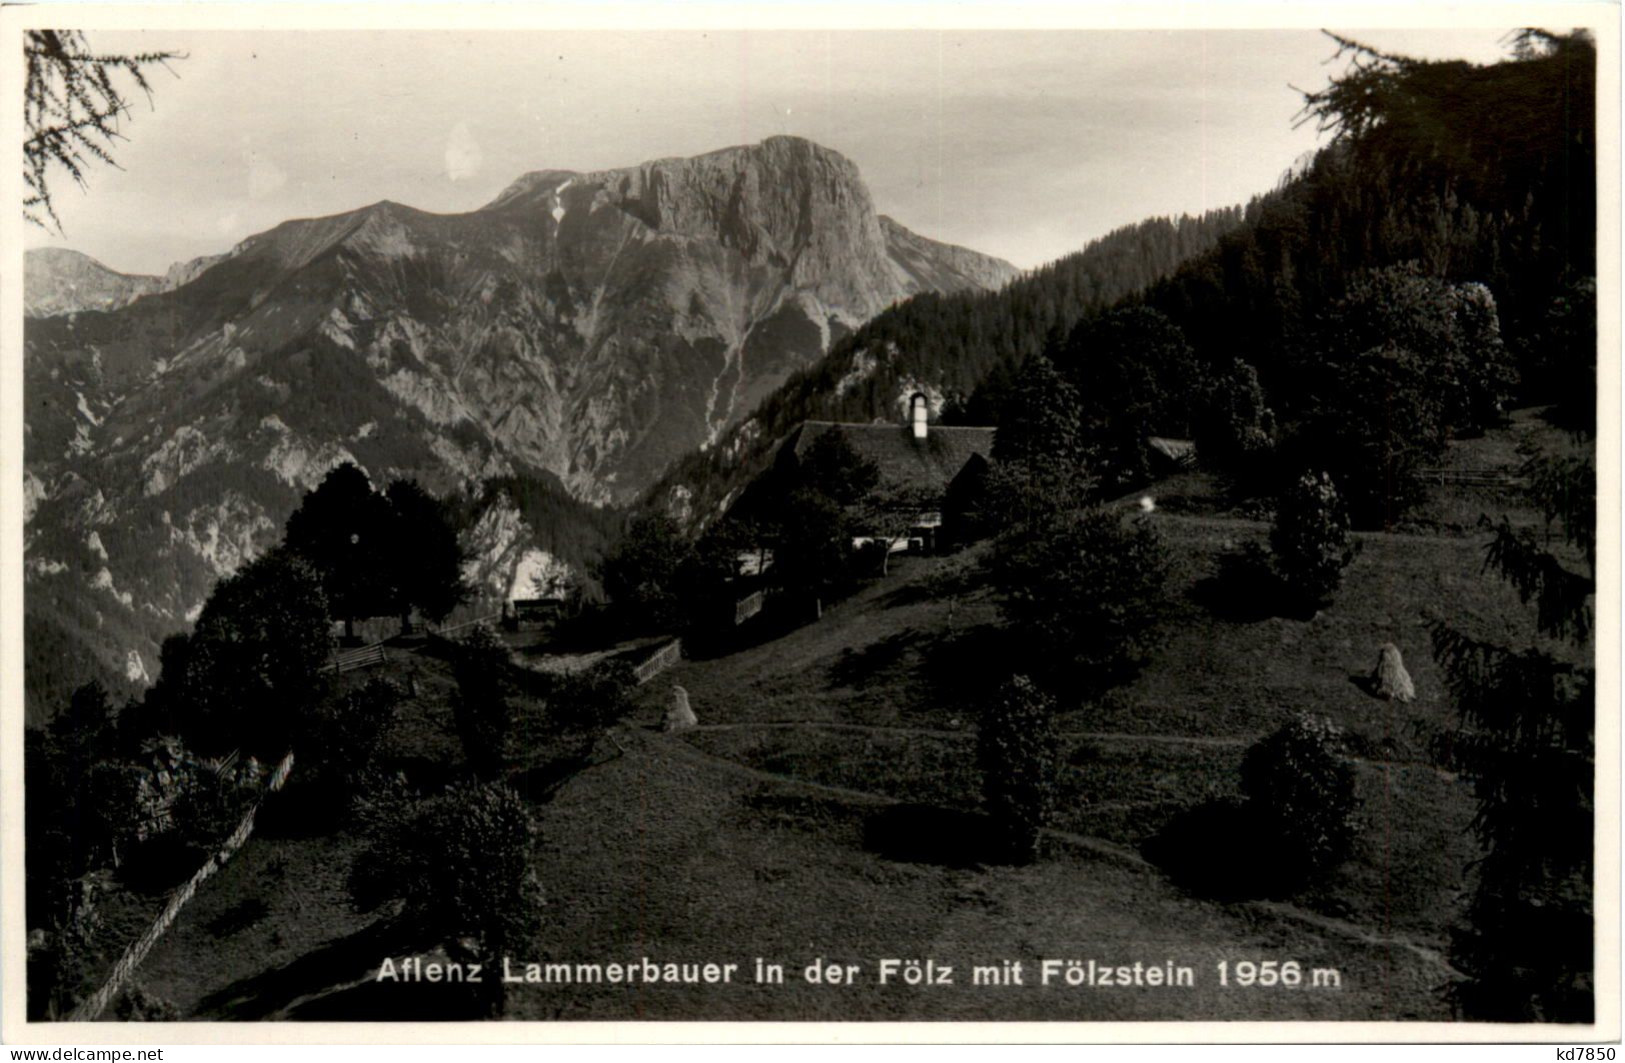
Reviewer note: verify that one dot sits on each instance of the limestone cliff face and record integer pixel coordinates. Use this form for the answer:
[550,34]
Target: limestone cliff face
[717,276]
[588,327]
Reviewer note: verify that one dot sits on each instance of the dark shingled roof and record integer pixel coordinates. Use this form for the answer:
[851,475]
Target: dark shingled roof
[904,462]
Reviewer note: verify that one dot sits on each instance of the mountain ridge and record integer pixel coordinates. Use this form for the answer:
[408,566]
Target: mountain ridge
[581,329]
[59,280]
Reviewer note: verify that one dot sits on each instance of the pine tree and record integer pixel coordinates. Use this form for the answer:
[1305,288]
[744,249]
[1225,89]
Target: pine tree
[1526,740]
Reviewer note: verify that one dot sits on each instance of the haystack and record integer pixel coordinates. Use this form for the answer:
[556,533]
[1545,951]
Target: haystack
[1389,679]
[680,717]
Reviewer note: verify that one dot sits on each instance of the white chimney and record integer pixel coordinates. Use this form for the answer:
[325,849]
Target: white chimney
[919,411]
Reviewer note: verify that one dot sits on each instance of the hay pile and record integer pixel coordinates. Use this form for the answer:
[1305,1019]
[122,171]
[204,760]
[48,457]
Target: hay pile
[679,717]
[1389,680]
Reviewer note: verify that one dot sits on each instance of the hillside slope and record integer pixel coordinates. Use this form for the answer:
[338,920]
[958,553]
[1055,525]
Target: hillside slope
[827,805]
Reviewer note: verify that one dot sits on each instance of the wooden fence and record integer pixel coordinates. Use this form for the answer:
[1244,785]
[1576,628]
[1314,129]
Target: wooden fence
[360,657]
[447,632]
[662,659]
[748,606]
[374,654]
[92,1006]
[1470,477]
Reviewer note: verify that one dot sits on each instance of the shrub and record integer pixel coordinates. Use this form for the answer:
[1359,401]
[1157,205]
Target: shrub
[213,799]
[136,1004]
[1218,849]
[1084,593]
[1311,540]
[349,731]
[61,959]
[1302,791]
[340,736]
[108,811]
[590,701]
[1018,753]
[461,864]
[484,718]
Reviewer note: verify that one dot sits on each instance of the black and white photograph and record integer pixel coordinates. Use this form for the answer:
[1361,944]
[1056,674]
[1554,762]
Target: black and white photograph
[526,519]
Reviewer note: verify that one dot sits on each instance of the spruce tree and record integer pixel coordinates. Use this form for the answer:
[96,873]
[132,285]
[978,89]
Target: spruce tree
[1526,741]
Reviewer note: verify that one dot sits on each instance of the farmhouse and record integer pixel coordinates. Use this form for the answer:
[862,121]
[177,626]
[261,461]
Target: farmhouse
[917,461]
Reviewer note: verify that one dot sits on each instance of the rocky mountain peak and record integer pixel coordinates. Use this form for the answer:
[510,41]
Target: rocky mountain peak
[57,280]
[583,328]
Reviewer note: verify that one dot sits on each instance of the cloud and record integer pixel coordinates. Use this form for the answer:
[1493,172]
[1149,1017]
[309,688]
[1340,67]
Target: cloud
[463,155]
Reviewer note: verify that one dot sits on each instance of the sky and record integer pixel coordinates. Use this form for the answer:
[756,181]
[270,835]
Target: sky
[1022,144]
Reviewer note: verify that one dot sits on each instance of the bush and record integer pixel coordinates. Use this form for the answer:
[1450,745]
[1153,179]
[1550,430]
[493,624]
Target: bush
[61,959]
[1084,593]
[1311,540]
[136,1004]
[213,800]
[484,718]
[1302,790]
[335,750]
[1018,753]
[590,701]
[1218,849]
[461,864]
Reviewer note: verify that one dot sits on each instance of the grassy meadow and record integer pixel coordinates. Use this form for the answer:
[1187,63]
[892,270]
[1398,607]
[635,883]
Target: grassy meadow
[827,807]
